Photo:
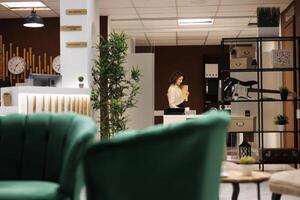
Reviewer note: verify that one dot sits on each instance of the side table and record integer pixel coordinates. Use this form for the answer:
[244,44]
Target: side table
[235,179]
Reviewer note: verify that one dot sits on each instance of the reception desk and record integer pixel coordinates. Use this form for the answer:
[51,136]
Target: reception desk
[171,119]
[31,99]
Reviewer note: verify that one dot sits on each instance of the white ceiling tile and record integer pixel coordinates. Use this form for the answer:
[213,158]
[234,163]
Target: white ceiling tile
[239,8]
[163,42]
[159,15]
[126,24]
[123,16]
[42,13]
[198,9]
[115,4]
[197,2]
[197,15]
[154,3]
[53,5]
[171,10]
[160,22]
[8,14]
[236,14]
[223,33]
[117,11]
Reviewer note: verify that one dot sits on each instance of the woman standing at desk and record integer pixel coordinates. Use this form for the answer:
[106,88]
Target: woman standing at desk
[175,95]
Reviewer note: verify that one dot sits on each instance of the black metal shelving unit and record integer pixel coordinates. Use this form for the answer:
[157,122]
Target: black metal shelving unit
[225,71]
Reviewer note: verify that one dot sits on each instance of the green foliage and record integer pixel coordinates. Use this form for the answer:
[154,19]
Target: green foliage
[268,17]
[80,78]
[113,93]
[280,119]
[247,160]
[284,89]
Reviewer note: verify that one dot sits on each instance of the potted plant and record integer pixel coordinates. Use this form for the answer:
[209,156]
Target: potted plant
[284,92]
[268,21]
[280,121]
[247,165]
[80,79]
[113,92]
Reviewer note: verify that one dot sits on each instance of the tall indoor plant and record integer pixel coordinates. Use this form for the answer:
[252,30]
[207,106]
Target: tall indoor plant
[113,92]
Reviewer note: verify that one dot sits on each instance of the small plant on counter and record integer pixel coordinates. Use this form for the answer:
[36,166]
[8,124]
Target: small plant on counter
[80,79]
[284,92]
[280,119]
[247,160]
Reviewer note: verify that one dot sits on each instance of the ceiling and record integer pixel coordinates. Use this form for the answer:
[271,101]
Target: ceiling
[154,22]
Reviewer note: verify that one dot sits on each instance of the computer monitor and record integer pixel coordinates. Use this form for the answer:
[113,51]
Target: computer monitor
[45,80]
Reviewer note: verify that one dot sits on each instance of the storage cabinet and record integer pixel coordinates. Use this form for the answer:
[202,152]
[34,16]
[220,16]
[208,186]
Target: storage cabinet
[251,82]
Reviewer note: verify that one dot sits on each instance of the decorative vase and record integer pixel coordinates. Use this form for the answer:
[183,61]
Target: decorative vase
[246,169]
[280,127]
[268,31]
[7,99]
[81,85]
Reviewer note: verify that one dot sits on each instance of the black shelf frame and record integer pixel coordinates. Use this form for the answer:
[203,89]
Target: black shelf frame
[259,70]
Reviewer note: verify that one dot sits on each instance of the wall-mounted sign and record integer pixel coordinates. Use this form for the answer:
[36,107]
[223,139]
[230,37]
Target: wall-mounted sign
[70,28]
[76,44]
[76,11]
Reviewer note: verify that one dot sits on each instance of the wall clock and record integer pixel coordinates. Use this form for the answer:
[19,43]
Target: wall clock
[16,65]
[56,64]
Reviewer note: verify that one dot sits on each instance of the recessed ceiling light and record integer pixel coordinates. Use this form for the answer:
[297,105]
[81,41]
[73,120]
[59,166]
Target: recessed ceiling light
[28,5]
[185,22]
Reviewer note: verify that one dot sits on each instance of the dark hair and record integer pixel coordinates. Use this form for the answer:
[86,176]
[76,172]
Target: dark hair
[175,75]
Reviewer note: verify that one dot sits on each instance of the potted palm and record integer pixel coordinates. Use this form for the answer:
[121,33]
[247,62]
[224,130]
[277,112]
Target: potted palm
[284,92]
[280,121]
[80,79]
[247,165]
[268,21]
[114,90]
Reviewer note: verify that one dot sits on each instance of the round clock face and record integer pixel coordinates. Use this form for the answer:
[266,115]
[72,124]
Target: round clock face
[56,64]
[16,65]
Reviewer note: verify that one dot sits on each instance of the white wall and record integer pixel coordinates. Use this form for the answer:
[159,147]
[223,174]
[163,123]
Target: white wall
[78,61]
[143,115]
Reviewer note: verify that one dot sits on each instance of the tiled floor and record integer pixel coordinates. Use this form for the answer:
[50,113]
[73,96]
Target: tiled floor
[249,192]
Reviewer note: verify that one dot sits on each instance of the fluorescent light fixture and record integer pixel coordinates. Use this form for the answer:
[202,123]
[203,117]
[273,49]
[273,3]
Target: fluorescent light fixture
[28,5]
[186,22]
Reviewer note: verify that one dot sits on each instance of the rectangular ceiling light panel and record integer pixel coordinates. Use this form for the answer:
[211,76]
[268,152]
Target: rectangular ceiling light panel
[189,22]
[28,5]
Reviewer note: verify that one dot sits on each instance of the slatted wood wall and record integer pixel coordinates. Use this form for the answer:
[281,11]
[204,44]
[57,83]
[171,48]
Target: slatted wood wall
[41,64]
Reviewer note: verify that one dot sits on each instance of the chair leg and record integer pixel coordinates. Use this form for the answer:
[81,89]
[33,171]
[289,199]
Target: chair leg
[276,196]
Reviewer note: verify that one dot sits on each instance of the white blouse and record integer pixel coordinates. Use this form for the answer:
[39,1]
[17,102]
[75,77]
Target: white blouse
[174,96]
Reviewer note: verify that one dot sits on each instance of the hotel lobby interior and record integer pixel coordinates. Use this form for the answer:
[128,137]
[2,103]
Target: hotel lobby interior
[149,99]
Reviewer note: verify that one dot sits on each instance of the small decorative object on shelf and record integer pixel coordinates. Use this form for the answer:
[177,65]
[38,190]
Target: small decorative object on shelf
[247,165]
[244,149]
[284,92]
[7,99]
[282,58]
[280,120]
[268,21]
[80,79]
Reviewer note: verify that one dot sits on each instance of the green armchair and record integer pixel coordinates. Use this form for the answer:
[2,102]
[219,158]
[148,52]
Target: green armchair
[40,154]
[173,162]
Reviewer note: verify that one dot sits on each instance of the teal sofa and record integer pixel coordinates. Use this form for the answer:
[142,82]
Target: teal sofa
[174,162]
[40,155]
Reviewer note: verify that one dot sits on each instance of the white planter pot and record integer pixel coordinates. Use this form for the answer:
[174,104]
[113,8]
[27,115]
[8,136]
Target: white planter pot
[268,31]
[280,128]
[246,169]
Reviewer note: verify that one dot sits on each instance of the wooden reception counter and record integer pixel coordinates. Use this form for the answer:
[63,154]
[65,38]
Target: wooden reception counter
[31,99]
